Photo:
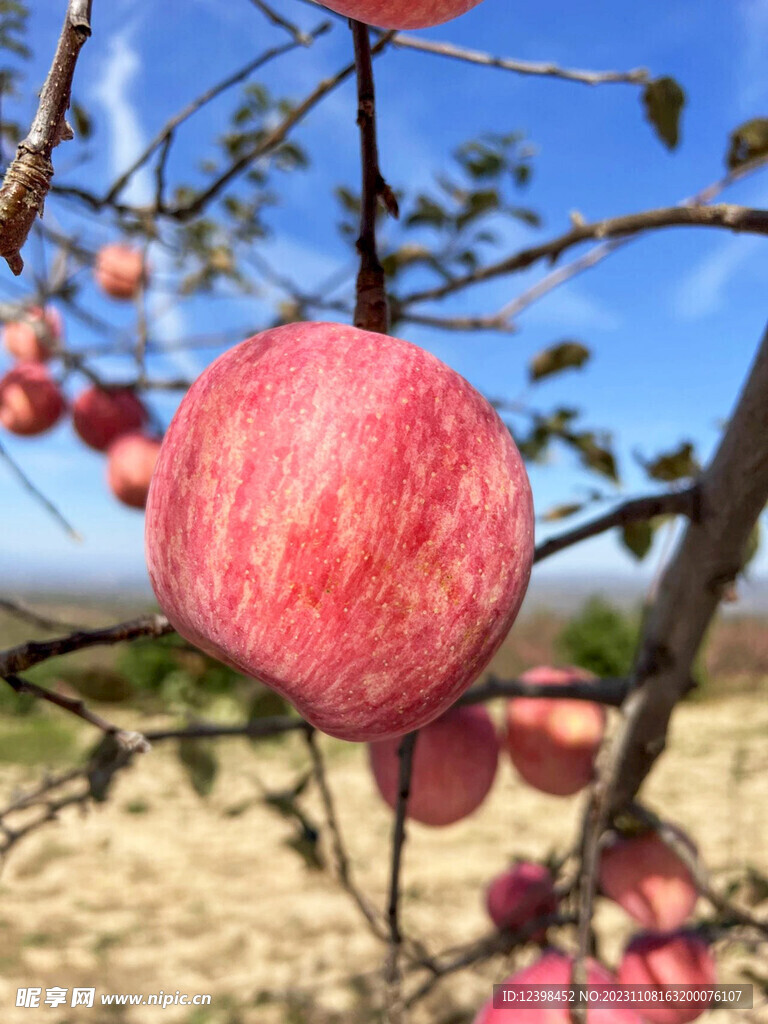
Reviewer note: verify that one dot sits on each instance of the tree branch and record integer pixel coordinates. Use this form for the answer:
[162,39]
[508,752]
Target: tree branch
[371,310]
[28,178]
[392,969]
[683,503]
[722,215]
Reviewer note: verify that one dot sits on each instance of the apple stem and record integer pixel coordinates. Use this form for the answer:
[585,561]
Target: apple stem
[371,308]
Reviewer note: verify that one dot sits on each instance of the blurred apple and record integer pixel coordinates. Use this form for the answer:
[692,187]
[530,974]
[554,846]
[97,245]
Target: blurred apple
[649,880]
[669,958]
[30,400]
[454,765]
[553,743]
[402,13]
[120,270]
[131,461]
[341,515]
[33,338]
[101,416]
[520,895]
[555,968]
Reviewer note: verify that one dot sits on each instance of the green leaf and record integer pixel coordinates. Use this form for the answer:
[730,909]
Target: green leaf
[679,464]
[664,100]
[82,120]
[563,356]
[200,764]
[748,142]
[558,512]
[427,212]
[638,538]
[306,844]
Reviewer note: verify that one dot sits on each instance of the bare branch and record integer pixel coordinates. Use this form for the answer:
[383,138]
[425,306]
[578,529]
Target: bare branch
[371,309]
[38,495]
[299,37]
[637,76]
[21,611]
[392,975]
[611,692]
[24,656]
[28,178]
[132,742]
[683,503]
[723,215]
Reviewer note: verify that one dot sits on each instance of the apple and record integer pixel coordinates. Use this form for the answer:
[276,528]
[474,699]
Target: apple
[555,968]
[131,461]
[120,270]
[520,895]
[33,338]
[649,880]
[553,743]
[344,517]
[101,416]
[454,765]
[669,958]
[401,13]
[30,400]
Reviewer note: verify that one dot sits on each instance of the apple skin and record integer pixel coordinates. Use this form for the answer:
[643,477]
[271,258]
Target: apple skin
[401,14]
[21,339]
[454,765]
[553,743]
[120,271]
[668,958]
[519,895]
[30,400]
[648,880]
[344,517]
[555,968]
[100,417]
[131,460]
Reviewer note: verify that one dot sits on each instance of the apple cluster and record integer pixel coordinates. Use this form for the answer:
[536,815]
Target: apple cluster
[110,420]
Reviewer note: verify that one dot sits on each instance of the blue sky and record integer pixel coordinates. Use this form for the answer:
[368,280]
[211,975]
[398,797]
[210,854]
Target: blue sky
[672,319]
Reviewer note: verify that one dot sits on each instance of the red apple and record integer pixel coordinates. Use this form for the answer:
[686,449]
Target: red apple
[131,461]
[120,270]
[100,416]
[555,968]
[401,13]
[33,338]
[553,743]
[30,400]
[344,517]
[520,895]
[669,958]
[649,880]
[454,765]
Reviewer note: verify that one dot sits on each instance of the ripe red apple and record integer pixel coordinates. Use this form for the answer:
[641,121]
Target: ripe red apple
[555,968]
[120,270]
[402,13]
[344,517]
[649,880]
[100,416]
[30,400]
[520,895]
[32,338]
[553,743]
[454,765]
[131,461]
[668,958]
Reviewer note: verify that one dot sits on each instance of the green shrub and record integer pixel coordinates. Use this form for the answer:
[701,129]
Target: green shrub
[601,639]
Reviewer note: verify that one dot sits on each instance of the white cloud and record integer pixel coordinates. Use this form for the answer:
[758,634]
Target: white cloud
[127,139]
[704,290]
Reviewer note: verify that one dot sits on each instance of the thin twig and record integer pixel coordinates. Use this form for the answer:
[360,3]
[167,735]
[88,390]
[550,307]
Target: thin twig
[392,975]
[130,741]
[611,692]
[28,178]
[21,611]
[38,495]
[299,37]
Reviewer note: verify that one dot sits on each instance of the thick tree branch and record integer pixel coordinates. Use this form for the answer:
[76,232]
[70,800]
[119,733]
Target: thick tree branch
[28,178]
[683,503]
[733,492]
[371,309]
